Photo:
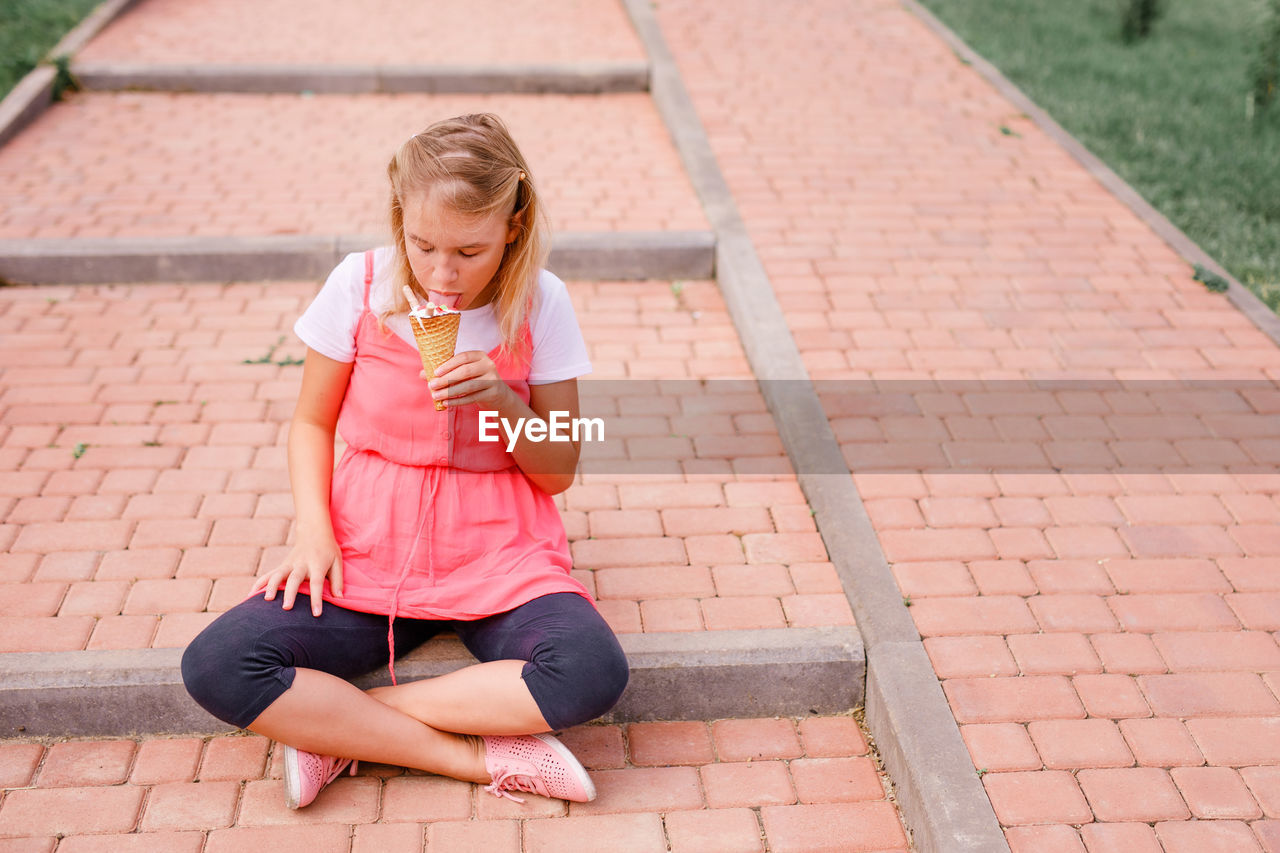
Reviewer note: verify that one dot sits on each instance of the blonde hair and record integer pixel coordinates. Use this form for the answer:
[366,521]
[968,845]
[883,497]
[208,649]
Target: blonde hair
[475,163]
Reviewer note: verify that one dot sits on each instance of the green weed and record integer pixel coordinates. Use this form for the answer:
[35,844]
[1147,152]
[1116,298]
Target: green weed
[1138,17]
[1211,280]
[64,81]
[269,357]
[29,28]
[1266,64]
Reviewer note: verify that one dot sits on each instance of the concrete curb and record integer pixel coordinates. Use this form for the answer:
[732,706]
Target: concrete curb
[34,92]
[26,101]
[946,806]
[555,78]
[634,255]
[1242,297]
[918,737]
[574,255]
[97,20]
[674,676]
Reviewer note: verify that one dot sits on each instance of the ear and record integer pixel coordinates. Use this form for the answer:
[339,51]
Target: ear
[515,227]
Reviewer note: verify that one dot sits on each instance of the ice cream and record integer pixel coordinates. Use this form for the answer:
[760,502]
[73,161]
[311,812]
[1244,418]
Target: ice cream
[435,328]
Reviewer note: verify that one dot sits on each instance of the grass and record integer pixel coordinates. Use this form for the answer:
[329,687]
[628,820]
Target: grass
[1168,113]
[28,28]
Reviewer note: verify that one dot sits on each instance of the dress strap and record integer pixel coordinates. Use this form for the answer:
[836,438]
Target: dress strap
[368,276]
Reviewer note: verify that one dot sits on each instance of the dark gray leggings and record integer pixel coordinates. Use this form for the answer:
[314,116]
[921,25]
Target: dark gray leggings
[242,662]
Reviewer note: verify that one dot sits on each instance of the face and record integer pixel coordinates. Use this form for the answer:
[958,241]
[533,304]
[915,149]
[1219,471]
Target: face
[452,254]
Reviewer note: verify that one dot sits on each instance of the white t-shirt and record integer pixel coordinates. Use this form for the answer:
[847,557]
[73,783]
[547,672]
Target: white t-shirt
[328,325]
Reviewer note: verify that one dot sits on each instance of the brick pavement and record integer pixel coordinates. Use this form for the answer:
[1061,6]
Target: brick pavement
[1092,569]
[146,480]
[399,32]
[159,165]
[807,785]
[1103,625]
[142,429]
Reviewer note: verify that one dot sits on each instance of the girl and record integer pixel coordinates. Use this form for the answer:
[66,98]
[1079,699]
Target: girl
[423,528]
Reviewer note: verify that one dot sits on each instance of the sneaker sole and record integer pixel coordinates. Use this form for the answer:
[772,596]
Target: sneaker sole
[292,782]
[572,760]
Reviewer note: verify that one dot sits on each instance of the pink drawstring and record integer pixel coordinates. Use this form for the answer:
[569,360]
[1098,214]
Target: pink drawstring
[391,646]
[404,574]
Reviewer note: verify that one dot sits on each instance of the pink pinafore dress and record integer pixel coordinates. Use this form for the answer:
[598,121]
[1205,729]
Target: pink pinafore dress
[432,522]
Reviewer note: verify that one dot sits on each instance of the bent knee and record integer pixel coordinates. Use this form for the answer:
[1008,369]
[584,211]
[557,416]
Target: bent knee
[203,668]
[612,681]
[211,672]
[225,673]
[582,684]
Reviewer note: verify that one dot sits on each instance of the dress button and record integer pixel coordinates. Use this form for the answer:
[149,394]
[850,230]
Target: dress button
[447,435]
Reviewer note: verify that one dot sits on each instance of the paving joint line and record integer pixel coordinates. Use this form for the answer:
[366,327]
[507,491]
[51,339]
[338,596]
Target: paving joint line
[610,255]
[1242,297]
[565,78]
[942,799]
[685,675]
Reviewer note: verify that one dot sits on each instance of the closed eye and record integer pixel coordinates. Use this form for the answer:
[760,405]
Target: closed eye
[429,249]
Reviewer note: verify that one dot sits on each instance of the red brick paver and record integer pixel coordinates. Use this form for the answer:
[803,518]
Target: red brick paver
[698,801]
[395,33]
[694,539]
[1091,566]
[244,165]
[142,433]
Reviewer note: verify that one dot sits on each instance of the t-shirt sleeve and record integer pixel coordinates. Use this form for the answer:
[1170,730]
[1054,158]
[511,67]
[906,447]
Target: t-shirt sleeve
[559,351]
[328,325]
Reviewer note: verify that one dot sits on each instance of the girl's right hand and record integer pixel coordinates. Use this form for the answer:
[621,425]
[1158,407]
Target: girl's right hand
[310,560]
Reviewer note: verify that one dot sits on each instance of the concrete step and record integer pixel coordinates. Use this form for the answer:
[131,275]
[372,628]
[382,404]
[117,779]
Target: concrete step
[104,260]
[390,32]
[155,418]
[685,675]
[140,186]
[580,78]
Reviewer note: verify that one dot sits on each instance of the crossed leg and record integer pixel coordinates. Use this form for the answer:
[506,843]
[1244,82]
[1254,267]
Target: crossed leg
[430,725]
[283,674]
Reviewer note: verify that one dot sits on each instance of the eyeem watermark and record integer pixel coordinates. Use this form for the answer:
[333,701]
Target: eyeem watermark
[560,427]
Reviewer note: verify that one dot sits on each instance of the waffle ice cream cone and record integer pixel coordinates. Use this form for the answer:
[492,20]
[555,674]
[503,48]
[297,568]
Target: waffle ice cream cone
[436,337]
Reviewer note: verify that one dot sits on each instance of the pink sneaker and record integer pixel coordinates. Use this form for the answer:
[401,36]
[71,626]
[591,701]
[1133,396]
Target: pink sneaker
[538,764]
[306,773]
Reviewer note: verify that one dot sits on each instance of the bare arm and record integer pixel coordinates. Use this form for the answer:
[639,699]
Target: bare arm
[471,378]
[549,464]
[315,552]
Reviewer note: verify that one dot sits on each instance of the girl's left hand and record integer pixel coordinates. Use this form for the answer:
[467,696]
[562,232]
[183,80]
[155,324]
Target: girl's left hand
[469,378]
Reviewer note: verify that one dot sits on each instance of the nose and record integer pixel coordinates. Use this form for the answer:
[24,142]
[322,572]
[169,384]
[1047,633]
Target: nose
[443,272]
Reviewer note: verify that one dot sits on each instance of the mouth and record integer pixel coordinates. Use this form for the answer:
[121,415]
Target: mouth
[449,298]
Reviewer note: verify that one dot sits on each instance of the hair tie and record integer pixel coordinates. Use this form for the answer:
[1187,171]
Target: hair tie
[523,176]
